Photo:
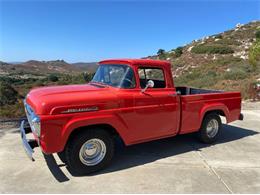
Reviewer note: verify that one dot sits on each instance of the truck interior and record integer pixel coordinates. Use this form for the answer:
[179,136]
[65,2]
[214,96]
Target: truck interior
[157,83]
[151,73]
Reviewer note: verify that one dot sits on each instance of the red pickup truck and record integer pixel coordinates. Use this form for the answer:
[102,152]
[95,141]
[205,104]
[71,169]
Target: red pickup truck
[134,99]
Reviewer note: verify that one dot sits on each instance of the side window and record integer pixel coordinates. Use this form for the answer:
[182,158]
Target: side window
[155,74]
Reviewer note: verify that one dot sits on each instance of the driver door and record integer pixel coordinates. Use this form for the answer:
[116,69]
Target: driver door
[156,109]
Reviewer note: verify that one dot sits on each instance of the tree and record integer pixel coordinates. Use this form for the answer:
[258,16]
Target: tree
[161,53]
[178,51]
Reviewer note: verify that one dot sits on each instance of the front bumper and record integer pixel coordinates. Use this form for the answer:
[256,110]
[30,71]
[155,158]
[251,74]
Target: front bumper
[28,144]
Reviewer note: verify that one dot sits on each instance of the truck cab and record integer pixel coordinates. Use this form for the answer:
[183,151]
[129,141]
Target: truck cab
[148,103]
[134,99]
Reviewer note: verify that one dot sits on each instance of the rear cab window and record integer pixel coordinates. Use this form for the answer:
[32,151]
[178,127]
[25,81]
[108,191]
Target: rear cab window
[152,73]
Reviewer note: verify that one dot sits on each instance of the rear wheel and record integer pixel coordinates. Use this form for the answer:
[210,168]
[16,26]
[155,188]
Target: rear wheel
[89,151]
[210,128]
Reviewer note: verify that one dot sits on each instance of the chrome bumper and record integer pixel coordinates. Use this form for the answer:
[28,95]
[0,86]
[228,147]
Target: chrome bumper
[27,144]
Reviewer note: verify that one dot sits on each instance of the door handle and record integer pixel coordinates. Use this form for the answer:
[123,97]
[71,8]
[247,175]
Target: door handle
[173,95]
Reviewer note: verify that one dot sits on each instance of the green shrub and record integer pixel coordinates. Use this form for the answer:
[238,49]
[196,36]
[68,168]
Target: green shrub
[254,54]
[235,74]
[66,79]
[211,49]
[87,76]
[257,34]
[53,78]
[200,78]
[219,36]
[12,111]
[39,83]
[8,95]
[227,42]
[175,53]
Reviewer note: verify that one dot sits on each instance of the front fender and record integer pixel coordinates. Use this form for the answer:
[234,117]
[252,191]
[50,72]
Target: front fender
[108,119]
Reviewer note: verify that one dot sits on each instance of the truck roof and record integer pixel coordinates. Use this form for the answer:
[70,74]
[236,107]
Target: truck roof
[137,62]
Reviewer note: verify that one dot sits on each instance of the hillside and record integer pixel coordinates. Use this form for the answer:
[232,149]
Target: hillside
[229,60]
[46,67]
[16,79]
[83,66]
[219,61]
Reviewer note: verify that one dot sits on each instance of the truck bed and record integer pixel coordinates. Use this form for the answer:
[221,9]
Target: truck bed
[194,103]
[193,91]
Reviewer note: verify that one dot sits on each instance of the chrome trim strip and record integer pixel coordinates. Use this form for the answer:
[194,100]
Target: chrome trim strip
[28,149]
[74,110]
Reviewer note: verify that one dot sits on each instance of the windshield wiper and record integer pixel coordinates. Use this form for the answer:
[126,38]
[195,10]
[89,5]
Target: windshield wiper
[98,83]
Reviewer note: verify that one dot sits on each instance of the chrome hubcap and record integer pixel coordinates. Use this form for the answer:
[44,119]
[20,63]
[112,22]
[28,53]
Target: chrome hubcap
[92,152]
[212,128]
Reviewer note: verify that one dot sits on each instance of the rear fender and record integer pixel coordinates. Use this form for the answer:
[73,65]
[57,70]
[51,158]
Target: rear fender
[213,107]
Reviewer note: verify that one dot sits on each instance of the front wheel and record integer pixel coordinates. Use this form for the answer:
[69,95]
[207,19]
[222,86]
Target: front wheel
[89,151]
[210,128]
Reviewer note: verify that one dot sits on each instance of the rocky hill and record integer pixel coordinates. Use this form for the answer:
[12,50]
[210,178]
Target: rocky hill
[86,66]
[16,79]
[46,67]
[218,61]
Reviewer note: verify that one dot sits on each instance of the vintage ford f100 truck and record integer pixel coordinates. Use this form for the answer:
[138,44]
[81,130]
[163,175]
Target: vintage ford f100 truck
[133,99]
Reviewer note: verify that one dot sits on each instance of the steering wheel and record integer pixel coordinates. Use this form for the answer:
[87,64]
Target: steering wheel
[128,80]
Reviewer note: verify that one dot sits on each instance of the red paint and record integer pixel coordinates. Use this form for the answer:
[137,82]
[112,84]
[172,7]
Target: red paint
[136,116]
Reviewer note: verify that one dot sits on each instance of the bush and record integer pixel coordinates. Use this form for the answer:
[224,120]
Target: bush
[12,111]
[87,76]
[227,42]
[8,95]
[53,78]
[66,79]
[235,74]
[39,83]
[211,49]
[219,36]
[257,34]
[254,54]
[200,77]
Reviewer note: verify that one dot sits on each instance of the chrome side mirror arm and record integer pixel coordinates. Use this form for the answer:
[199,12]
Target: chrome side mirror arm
[149,84]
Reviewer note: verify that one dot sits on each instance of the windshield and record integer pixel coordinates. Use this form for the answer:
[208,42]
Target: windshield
[115,75]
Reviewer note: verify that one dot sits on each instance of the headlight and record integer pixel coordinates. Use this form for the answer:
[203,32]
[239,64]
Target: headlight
[36,125]
[33,119]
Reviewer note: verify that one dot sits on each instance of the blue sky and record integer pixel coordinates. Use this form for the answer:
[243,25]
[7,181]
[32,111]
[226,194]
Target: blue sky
[94,30]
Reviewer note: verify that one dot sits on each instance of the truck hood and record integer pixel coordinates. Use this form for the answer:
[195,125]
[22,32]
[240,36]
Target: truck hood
[57,99]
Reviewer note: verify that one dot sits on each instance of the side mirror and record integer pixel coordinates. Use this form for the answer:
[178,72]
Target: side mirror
[149,84]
